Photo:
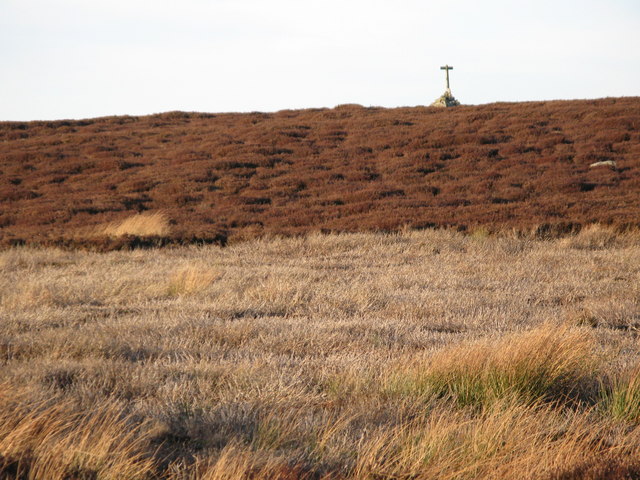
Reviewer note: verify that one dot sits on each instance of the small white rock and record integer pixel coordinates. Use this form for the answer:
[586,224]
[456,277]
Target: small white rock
[609,163]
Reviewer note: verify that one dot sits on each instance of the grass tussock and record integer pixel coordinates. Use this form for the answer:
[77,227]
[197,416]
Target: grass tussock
[621,398]
[140,225]
[546,363]
[55,440]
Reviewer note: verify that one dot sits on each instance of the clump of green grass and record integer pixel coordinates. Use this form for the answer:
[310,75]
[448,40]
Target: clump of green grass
[621,399]
[548,363]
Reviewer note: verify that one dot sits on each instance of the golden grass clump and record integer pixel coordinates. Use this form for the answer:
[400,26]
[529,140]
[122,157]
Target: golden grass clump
[54,440]
[546,363]
[144,224]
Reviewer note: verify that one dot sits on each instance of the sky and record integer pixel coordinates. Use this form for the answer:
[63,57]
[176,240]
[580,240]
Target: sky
[64,59]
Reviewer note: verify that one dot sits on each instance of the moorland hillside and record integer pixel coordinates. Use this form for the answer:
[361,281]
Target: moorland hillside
[215,177]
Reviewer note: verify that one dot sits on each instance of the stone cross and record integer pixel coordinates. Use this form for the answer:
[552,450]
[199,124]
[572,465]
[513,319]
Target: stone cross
[447,68]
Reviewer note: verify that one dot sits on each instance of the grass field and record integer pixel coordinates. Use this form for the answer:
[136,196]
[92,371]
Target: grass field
[418,355]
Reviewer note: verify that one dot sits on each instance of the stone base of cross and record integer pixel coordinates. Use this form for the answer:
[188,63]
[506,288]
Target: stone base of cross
[446,100]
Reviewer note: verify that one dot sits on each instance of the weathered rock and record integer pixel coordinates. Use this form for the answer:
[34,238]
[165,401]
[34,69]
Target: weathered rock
[604,163]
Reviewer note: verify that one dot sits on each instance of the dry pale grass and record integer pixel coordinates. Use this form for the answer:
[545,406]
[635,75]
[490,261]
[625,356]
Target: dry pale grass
[190,280]
[417,355]
[144,224]
[506,440]
[598,237]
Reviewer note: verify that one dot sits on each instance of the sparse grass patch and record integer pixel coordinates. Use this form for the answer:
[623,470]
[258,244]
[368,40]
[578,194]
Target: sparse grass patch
[596,237]
[239,462]
[616,312]
[33,294]
[190,280]
[480,233]
[279,294]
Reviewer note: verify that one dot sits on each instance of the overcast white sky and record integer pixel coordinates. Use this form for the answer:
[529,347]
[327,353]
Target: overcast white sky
[87,58]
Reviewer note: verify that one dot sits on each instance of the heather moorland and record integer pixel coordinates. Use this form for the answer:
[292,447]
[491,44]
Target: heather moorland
[225,177]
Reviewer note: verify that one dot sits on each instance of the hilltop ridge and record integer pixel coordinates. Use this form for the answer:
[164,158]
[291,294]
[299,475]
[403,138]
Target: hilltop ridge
[230,176]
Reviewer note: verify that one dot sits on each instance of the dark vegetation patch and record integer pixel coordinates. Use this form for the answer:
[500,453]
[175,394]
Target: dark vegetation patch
[520,165]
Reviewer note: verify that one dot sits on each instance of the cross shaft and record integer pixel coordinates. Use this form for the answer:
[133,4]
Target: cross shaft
[447,68]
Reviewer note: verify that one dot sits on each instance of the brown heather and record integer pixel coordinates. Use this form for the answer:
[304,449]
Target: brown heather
[416,355]
[228,177]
